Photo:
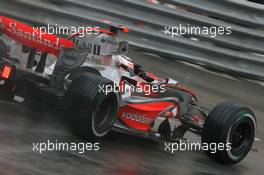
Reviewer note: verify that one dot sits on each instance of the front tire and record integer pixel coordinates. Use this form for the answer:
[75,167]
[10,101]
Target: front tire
[90,113]
[232,124]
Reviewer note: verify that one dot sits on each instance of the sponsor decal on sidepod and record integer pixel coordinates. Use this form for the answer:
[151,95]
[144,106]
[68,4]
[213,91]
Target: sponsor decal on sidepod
[136,117]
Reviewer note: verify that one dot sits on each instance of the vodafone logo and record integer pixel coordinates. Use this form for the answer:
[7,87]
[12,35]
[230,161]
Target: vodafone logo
[136,117]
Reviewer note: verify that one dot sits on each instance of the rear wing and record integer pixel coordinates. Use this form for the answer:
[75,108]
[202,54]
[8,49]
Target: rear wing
[32,37]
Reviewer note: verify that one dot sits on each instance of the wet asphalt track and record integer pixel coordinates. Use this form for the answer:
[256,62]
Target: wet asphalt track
[121,154]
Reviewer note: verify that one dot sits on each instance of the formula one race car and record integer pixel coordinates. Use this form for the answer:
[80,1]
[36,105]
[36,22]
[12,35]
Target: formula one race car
[100,89]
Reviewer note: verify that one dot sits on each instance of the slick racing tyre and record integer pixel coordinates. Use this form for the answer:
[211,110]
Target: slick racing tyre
[231,125]
[90,111]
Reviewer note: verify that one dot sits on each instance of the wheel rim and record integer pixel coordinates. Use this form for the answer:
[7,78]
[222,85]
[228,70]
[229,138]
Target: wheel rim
[241,136]
[104,116]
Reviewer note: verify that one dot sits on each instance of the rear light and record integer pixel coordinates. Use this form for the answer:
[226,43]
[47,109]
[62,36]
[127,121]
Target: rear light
[6,72]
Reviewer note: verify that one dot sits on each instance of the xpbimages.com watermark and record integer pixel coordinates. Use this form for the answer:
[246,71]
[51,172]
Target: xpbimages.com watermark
[64,30]
[194,146]
[80,147]
[212,31]
[126,87]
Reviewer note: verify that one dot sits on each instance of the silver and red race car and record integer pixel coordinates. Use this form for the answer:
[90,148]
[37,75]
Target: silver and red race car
[100,89]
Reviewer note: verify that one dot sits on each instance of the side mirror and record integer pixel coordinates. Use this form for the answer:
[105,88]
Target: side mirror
[172,82]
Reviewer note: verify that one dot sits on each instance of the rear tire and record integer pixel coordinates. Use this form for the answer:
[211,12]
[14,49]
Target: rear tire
[229,123]
[91,113]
